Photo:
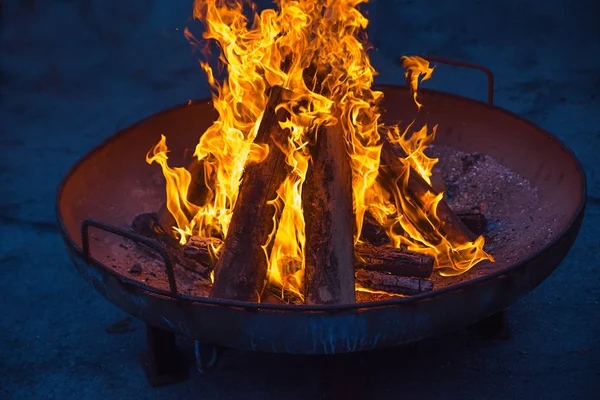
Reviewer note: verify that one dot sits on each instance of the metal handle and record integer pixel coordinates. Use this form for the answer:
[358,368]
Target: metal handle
[487,71]
[85,246]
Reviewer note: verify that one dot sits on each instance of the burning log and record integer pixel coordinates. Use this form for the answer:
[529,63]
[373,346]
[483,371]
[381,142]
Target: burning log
[202,249]
[197,190]
[373,232]
[396,261]
[392,284]
[147,225]
[242,267]
[327,204]
[451,225]
[277,295]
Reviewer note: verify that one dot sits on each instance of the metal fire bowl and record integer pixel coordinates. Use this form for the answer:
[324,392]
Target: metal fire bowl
[113,184]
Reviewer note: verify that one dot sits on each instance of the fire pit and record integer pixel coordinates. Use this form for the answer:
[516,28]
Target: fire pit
[116,222]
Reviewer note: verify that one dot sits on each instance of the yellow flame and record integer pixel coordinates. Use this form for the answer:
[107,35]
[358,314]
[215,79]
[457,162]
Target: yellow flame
[417,70]
[359,288]
[278,47]
[414,223]
[178,182]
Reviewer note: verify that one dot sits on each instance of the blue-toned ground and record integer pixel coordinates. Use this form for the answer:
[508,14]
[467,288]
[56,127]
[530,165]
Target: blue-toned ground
[73,72]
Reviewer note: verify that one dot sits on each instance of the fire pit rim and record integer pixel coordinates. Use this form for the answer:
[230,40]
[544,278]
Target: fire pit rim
[73,248]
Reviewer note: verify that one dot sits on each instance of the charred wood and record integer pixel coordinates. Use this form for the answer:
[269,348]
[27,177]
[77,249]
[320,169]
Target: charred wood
[396,261]
[241,269]
[275,295]
[372,232]
[147,225]
[451,225]
[202,249]
[392,284]
[327,205]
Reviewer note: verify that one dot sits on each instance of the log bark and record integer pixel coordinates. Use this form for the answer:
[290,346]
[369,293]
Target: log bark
[373,232]
[147,225]
[451,225]
[392,284]
[242,266]
[327,205]
[271,293]
[396,261]
[197,191]
[202,249]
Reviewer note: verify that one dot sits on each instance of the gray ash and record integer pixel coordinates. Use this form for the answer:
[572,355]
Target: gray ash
[510,203]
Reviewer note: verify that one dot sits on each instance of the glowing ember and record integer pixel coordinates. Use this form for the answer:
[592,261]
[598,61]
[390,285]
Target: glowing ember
[278,47]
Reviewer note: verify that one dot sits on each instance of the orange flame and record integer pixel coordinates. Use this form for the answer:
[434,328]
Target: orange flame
[413,225]
[359,288]
[417,71]
[254,51]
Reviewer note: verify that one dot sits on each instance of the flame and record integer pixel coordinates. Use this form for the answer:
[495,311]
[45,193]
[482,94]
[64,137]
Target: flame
[414,223]
[359,288]
[417,70]
[178,182]
[282,47]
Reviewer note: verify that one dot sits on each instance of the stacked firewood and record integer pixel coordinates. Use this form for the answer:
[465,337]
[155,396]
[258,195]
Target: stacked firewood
[333,263]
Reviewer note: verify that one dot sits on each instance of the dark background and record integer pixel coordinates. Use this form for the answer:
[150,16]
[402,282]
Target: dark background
[74,72]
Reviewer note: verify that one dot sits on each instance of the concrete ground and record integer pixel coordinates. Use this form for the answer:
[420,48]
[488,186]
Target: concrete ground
[73,72]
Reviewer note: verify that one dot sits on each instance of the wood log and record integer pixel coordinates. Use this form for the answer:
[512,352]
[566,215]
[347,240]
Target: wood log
[147,225]
[198,191]
[241,269]
[286,297]
[202,249]
[396,261]
[473,219]
[451,226]
[327,205]
[392,284]
[372,232]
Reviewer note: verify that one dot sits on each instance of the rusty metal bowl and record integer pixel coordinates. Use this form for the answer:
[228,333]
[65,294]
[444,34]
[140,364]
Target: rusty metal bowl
[113,184]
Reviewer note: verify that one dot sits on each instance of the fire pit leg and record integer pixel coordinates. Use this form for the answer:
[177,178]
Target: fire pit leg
[494,327]
[163,362]
[207,356]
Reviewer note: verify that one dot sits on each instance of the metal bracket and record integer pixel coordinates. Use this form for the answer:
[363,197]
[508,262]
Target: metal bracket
[85,247]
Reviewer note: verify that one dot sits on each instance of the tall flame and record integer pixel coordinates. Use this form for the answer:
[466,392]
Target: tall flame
[282,47]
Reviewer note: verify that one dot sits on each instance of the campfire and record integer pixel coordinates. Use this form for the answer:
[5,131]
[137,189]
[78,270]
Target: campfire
[299,189]
[316,213]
